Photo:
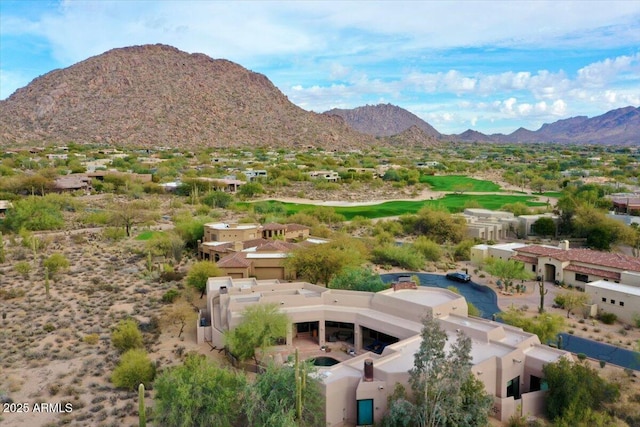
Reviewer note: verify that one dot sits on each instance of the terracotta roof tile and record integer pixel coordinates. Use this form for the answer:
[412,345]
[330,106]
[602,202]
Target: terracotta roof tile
[235,260]
[594,271]
[585,256]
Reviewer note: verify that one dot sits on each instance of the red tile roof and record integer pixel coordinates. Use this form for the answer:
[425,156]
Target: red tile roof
[593,271]
[235,260]
[585,256]
[524,258]
[274,226]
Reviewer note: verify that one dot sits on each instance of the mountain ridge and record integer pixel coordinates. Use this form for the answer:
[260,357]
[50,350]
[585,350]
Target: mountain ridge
[153,95]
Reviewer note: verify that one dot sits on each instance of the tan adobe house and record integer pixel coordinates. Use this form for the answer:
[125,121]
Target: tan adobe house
[249,250]
[374,337]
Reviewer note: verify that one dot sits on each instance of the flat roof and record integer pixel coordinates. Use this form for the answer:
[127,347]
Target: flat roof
[429,297]
[617,287]
[226,226]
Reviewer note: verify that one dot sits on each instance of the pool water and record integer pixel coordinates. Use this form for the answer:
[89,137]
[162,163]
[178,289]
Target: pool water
[325,361]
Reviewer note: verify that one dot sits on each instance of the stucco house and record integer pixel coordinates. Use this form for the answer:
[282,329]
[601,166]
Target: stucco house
[379,334]
[611,279]
[253,250]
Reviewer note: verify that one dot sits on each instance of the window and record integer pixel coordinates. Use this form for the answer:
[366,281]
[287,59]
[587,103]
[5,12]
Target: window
[538,383]
[613,301]
[513,388]
[621,303]
[365,412]
[604,299]
[533,268]
[582,278]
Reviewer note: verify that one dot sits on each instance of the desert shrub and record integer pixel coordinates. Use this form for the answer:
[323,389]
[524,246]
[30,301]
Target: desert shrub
[581,356]
[11,293]
[49,327]
[134,368]
[401,256]
[126,336]
[114,233]
[91,339]
[55,263]
[428,248]
[607,318]
[23,268]
[170,296]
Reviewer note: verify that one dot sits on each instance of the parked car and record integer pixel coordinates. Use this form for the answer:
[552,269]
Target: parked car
[458,276]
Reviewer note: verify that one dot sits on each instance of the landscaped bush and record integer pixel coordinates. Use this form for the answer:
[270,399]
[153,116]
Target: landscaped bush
[170,296]
[126,336]
[134,368]
[400,256]
[607,318]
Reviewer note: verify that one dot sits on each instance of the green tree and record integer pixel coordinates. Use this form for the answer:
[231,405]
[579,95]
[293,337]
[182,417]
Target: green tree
[546,326]
[572,300]
[402,256]
[507,271]
[358,279]
[575,392]
[320,263]
[271,400]
[261,326]
[135,368]
[250,189]
[217,199]
[516,209]
[431,250]
[445,392]
[126,336]
[199,273]
[34,213]
[438,225]
[199,393]
[544,227]
[128,213]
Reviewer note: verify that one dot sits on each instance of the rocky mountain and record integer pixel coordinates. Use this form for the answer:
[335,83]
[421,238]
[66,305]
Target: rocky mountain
[383,120]
[616,127]
[157,95]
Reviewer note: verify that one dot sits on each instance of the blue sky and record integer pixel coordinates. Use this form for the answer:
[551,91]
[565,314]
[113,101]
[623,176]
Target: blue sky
[492,66]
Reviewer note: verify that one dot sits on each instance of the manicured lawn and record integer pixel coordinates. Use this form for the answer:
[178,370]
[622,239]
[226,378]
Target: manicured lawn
[452,202]
[146,235]
[458,183]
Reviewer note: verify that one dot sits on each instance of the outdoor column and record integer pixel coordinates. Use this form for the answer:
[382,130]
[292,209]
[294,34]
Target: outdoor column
[321,333]
[357,337]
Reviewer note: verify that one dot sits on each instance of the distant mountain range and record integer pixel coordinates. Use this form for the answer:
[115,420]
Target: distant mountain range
[616,127]
[157,95]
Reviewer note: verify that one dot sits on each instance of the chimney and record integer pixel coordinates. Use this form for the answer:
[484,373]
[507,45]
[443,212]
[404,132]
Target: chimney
[238,246]
[368,370]
[564,245]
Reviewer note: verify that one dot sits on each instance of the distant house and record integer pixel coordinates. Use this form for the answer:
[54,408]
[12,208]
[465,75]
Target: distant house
[72,182]
[249,250]
[254,174]
[574,267]
[330,176]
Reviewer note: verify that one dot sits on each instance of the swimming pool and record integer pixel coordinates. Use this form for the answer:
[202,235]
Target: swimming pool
[483,297]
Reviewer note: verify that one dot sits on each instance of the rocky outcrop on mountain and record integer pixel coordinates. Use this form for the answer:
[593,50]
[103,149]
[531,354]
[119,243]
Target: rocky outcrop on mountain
[382,120]
[157,95]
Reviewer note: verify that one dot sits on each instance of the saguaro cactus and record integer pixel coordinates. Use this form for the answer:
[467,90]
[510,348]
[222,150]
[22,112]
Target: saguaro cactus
[142,415]
[543,292]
